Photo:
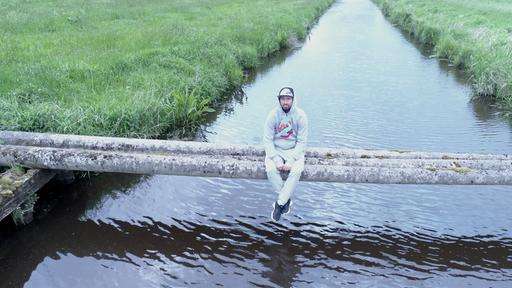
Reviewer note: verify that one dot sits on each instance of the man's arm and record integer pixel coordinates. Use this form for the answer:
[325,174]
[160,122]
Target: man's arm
[302,137]
[268,136]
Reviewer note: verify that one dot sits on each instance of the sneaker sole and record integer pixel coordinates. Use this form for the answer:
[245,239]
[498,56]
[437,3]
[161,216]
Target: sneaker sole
[272,212]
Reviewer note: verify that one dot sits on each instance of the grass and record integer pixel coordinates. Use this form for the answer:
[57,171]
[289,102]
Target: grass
[133,68]
[475,35]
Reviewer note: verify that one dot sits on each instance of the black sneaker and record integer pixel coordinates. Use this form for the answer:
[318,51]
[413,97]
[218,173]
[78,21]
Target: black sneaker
[286,207]
[277,212]
[280,210]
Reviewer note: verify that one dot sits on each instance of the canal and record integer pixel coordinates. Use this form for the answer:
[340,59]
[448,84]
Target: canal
[363,84]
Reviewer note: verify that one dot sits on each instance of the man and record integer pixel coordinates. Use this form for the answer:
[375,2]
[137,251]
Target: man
[284,137]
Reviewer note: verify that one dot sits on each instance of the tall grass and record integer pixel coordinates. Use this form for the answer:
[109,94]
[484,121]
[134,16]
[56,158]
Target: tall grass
[133,68]
[475,35]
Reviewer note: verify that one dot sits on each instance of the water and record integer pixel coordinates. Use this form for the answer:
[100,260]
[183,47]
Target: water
[363,84]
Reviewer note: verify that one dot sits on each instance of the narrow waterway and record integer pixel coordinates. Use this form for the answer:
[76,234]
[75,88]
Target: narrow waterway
[363,84]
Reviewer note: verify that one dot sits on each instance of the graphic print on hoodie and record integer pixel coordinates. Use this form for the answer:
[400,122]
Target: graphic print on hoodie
[285,128]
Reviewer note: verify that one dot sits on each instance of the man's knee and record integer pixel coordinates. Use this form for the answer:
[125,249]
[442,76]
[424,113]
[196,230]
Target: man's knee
[296,171]
[272,171]
[297,167]
[270,166]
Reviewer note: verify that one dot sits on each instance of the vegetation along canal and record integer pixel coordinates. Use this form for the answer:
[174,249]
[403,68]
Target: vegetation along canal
[363,84]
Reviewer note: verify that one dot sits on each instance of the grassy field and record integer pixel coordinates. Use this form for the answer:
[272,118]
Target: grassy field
[473,34]
[133,68]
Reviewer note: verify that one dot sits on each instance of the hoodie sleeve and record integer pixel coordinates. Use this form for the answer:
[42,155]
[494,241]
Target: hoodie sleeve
[268,135]
[302,137]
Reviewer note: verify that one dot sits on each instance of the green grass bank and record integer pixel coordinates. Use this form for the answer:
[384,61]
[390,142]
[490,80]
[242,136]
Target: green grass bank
[133,68]
[475,35]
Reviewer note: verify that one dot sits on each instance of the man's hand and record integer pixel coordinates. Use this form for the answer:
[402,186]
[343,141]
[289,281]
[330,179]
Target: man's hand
[279,161]
[284,168]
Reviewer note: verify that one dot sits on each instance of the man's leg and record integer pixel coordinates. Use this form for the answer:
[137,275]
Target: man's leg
[293,178]
[273,175]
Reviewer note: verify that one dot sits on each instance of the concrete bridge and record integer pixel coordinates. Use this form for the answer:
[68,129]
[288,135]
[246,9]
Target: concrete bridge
[143,156]
[50,154]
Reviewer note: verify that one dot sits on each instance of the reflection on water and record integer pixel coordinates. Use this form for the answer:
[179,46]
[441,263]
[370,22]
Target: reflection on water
[363,84]
[147,234]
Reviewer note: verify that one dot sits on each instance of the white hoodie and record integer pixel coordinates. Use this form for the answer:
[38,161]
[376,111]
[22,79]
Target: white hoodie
[285,134]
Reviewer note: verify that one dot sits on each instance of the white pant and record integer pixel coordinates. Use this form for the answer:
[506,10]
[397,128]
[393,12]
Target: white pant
[284,188]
